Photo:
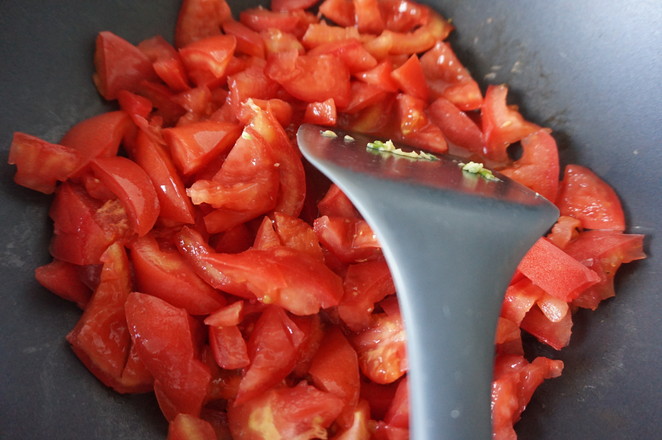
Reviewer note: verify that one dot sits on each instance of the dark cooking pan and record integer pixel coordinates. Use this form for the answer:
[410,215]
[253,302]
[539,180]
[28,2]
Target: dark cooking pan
[590,70]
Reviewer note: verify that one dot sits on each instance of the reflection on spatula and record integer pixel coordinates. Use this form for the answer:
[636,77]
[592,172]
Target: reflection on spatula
[452,240]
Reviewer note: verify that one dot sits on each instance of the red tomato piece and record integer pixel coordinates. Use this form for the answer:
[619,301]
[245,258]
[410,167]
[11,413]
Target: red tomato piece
[119,65]
[411,114]
[194,145]
[206,60]
[410,78]
[340,12]
[133,188]
[40,165]
[520,297]
[311,78]
[555,334]
[101,338]
[449,79]
[398,413]
[63,279]
[291,5]
[556,272]
[564,231]
[380,76]
[404,15]
[272,349]
[276,42]
[299,412]
[166,62]
[297,234]
[188,427]
[360,427]
[292,279]
[508,338]
[83,227]
[312,329]
[420,40]
[200,19]
[515,380]
[173,202]
[365,284]
[164,273]
[363,96]
[98,136]
[381,349]
[291,174]
[227,316]
[538,168]
[164,340]
[457,126]
[502,124]
[351,52]
[336,204]
[588,198]
[323,34]
[249,42]
[368,16]
[261,19]
[321,113]
[604,252]
[228,346]
[335,368]
[251,83]
[351,240]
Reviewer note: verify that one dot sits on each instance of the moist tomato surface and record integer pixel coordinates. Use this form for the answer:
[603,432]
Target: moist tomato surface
[220,271]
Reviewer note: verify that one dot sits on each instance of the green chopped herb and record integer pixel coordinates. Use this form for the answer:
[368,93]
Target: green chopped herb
[389,147]
[478,168]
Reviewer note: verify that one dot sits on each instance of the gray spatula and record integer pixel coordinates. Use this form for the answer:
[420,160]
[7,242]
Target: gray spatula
[452,240]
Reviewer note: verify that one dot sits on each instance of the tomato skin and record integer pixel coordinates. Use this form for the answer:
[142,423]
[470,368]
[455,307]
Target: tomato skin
[555,271]
[40,165]
[587,197]
[98,136]
[321,113]
[502,125]
[340,12]
[83,227]
[164,340]
[134,189]
[206,60]
[335,367]
[381,349]
[101,338]
[188,427]
[292,279]
[194,145]
[449,79]
[174,204]
[311,78]
[300,412]
[119,65]
[63,279]
[272,349]
[198,19]
[351,240]
[456,125]
[164,273]
[248,41]
[604,252]
[538,168]
[228,346]
[166,62]
[411,79]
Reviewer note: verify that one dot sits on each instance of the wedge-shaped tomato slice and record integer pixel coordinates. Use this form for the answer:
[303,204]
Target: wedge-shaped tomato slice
[365,284]
[84,227]
[188,427]
[604,252]
[133,187]
[207,60]
[299,412]
[349,239]
[335,368]
[40,165]
[381,348]
[166,62]
[411,79]
[457,126]
[502,124]
[449,79]
[228,347]
[556,272]
[538,168]
[292,279]
[164,337]
[101,337]
[119,65]
[590,199]
[161,271]
[194,145]
[555,334]
[174,204]
[63,279]
[198,19]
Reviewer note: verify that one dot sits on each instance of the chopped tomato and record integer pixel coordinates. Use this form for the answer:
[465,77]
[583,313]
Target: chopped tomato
[410,78]
[200,19]
[590,199]
[188,427]
[206,60]
[63,279]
